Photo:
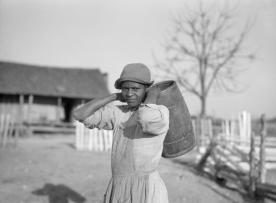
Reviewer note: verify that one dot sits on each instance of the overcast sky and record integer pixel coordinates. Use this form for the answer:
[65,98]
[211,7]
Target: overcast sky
[110,34]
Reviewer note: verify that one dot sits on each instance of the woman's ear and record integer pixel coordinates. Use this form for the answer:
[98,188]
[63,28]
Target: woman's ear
[147,87]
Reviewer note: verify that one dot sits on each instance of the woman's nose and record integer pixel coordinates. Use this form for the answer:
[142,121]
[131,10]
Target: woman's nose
[129,92]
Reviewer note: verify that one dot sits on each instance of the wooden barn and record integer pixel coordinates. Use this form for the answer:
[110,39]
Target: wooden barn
[39,94]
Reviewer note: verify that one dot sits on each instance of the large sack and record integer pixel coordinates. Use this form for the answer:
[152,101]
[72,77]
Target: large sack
[180,138]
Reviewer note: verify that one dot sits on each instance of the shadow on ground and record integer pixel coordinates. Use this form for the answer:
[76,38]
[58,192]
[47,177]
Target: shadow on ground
[59,193]
[71,145]
[191,166]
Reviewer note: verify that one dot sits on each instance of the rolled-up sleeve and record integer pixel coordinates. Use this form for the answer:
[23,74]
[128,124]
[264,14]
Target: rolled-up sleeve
[103,118]
[154,119]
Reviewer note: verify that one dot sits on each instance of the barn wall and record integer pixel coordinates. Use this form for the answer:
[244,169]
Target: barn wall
[43,109]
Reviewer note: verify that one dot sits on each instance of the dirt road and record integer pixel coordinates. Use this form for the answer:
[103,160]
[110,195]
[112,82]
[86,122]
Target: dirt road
[48,169]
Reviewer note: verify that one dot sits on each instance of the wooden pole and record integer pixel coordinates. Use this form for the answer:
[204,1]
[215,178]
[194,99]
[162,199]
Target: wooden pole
[252,179]
[2,127]
[248,126]
[30,104]
[15,133]
[202,162]
[197,133]
[262,169]
[11,127]
[210,127]
[20,117]
[6,122]
[59,104]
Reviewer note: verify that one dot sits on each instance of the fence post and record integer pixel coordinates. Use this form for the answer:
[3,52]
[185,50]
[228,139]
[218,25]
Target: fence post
[79,135]
[197,133]
[262,169]
[109,140]
[252,179]
[210,127]
[232,131]
[90,141]
[6,129]
[16,133]
[21,116]
[1,128]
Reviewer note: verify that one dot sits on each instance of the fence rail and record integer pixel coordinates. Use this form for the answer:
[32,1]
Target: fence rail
[238,156]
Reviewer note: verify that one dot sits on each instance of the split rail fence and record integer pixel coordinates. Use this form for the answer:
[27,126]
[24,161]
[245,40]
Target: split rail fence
[234,137]
[237,156]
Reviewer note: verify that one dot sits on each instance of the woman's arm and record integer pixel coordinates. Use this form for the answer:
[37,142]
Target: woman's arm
[153,118]
[84,111]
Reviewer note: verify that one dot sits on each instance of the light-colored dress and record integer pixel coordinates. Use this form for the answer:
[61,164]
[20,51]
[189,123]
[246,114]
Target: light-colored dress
[136,151]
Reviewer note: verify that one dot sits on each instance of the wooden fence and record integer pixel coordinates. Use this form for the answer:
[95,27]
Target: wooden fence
[233,134]
[227,149]
[93,139]
[237,155]
[236,133]
[8,130]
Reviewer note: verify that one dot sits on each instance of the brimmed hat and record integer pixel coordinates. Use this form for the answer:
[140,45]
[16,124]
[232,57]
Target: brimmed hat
[136,72]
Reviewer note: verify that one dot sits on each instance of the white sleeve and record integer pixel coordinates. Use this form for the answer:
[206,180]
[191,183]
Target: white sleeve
[154,118]
[103,118]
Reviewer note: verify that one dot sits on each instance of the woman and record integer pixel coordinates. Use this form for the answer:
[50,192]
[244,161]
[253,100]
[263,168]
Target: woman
[139,130]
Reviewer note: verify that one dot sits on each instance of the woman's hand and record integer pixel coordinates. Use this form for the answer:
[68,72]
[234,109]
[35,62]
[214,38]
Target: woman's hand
[120,97]
[152,95]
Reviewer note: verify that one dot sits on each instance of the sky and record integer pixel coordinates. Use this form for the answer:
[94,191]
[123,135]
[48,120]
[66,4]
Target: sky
[110,34]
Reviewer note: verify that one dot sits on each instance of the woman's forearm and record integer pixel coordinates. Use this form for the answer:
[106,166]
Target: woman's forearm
[84,111]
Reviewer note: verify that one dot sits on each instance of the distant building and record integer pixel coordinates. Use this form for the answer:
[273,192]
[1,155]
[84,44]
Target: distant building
[33,93]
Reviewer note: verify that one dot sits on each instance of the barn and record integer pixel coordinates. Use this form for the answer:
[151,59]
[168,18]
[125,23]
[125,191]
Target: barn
[39,94]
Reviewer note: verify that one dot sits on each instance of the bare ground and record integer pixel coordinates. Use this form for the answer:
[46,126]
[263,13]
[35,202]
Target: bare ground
[48,169]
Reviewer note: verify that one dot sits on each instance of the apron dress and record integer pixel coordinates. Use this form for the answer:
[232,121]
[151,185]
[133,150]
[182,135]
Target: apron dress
[136,151]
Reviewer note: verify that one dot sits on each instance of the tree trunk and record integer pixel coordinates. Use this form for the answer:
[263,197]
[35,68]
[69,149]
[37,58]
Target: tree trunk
[203,106]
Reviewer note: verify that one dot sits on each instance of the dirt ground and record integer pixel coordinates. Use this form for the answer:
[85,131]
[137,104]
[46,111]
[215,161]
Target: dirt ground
[48,169]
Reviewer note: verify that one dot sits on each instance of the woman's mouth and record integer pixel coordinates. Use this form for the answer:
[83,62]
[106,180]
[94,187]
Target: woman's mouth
[130,100]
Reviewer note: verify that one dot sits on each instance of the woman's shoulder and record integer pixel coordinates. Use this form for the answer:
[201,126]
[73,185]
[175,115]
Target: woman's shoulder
[158,107]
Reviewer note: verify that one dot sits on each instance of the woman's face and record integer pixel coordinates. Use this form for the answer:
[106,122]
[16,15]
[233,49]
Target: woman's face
[133,93]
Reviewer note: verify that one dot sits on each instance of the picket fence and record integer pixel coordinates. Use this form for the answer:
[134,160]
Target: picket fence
[236,145]
[233,130]
[236,132]
[8,130]
[93,139]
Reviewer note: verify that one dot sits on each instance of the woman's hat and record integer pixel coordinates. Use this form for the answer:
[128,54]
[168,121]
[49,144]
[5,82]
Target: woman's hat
[136,72]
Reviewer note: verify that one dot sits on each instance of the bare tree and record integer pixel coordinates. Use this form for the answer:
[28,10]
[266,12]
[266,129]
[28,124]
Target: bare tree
[202,51]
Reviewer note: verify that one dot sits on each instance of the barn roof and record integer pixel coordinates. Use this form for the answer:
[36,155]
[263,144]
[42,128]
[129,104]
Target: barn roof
[16,78]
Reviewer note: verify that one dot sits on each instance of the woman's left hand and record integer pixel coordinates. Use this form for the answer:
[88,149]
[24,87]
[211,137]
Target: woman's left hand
[152,95]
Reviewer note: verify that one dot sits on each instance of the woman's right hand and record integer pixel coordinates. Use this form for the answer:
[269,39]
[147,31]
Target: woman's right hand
[120,97]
